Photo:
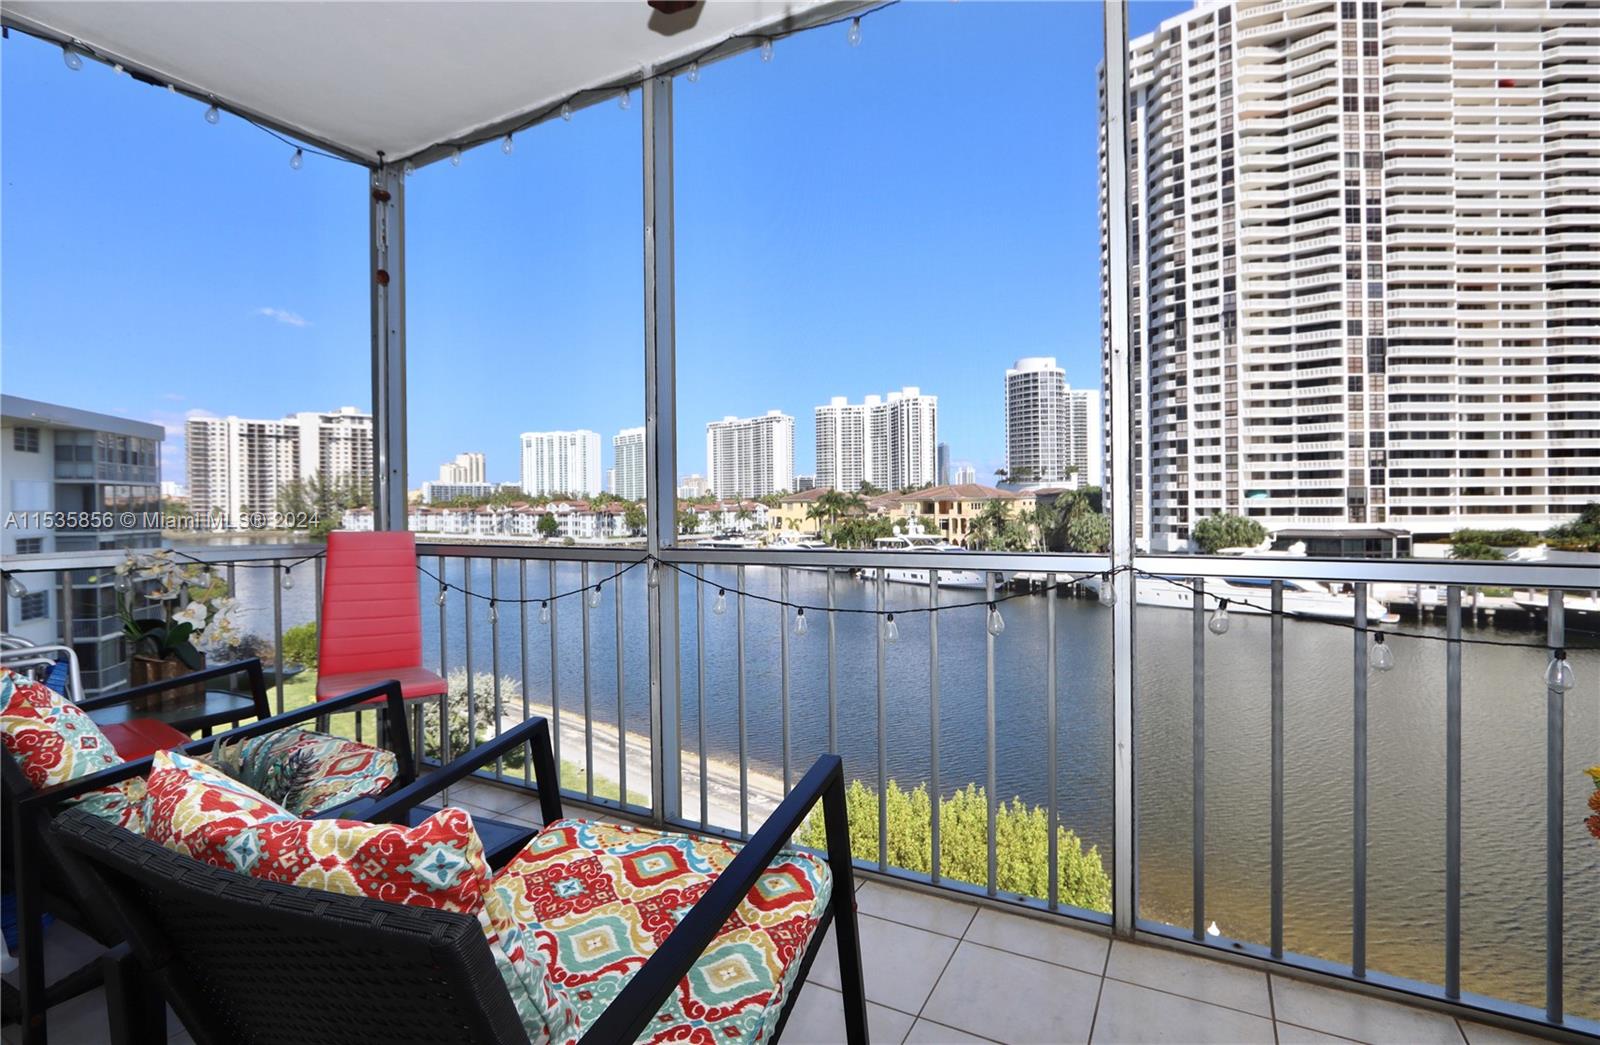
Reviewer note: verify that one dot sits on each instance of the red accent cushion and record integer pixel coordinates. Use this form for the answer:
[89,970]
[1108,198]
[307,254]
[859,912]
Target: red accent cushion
[371,619]
[414,683]
[51,738]
[139,737]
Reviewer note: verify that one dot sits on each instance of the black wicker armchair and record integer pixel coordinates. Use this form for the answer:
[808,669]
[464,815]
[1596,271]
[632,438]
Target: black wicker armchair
[240,959]
[35,877]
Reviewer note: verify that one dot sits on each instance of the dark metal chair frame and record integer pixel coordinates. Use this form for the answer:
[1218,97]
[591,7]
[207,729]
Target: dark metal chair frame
[241,959]
[35,877]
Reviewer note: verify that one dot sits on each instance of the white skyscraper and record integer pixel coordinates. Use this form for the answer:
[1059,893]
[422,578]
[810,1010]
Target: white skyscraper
[561,463]
[627,448]
[890,441]
[239,465]
[466,468]
[1052,430]
[750,456]
[1363,265]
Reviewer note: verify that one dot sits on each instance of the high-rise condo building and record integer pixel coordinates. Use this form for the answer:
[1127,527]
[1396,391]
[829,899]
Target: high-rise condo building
[750,456]
[561,463]
[627,448]
[963,474]
[239,465]
[888,441]
[1053,431]
[943,467]
[466,468]
[1363,264]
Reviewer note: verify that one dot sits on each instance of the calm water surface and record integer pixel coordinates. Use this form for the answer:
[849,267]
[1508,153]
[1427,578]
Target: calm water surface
[1503,703]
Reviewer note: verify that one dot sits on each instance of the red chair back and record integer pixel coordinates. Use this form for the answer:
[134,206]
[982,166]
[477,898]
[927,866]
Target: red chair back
[371,619]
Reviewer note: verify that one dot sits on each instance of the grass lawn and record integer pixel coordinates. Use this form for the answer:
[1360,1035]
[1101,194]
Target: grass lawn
[302,690]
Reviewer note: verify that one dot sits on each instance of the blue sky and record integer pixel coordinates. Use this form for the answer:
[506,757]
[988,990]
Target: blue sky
[920,210]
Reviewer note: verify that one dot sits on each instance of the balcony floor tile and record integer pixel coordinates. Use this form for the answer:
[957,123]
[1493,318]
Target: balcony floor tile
[818,1019]
[1214,982]
[908,907]
[927,1032]
[1349,1015]
[1040,939]
[1009,997]
[901,963]
[1133,1014]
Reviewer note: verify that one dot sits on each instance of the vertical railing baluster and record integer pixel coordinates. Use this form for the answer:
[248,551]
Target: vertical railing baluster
[744,751]
[444,671]
[1554,830]
[1358,885]
[990,783]
[783,660]
[883,731]
[555,668]
[277,634]
[588,705]
[1452,794]
[494,657]
[833,671]
[522,654]
[1054,890]
[1197,788]
[1277,769]
[622,705]
[933,721]
[472,679]
[700,687]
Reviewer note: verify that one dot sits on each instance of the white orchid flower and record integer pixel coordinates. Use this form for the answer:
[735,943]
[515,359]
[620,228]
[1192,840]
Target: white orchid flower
[194,614]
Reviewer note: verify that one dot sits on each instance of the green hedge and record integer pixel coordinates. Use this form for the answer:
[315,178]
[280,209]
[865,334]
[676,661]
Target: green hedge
[1021,839]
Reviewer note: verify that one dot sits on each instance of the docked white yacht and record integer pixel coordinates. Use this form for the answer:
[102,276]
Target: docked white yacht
[1254,595]
[918,542]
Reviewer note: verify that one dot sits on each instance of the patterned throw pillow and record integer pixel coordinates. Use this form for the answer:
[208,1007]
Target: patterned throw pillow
[593,901]
[197,811]
[51,738]
[307,772]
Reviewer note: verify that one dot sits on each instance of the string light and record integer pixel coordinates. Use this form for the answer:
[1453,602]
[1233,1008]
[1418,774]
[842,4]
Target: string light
[800,621]
[566,111]
[622,99]
[654,576]
[440,599]
[997,623]
[15,588]
[766,50]
[854,34]
[1108,591]
[494,612]
[1382,658]
[288,578]
[1559,675]
[409,169]
[297,159]
[891,631]
[117,68]
[1219,622]
[594,597]
[507,146]
[721,605]
[73,59]
[123,583]
[544,613]
[694,72]
[455,156]
[213,114]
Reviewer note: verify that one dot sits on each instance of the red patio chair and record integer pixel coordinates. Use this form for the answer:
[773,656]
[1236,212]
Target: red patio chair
[371,620]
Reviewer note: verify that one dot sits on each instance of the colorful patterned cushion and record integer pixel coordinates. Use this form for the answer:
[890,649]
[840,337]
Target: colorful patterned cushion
[196,810]
[306,772]
[51,738]
[593,901]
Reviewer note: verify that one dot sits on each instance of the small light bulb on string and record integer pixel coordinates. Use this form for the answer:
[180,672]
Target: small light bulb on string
[442,590]
[800,620]
[622,99]
[1219,622]
[694,72]
[891,630]
[409,169]
[494,611]
[997,623]
[117,68]
[123,583]
[594,597]
[455,156]
[297,159]
[721,605]
[854,35]
[566,111]
[213,114]
[1559,675]
[72,58]
[544,613]
[288,578]
[15,588]
[507,146]
[1382,657]
[1108,591]
[653,578]
[766,50]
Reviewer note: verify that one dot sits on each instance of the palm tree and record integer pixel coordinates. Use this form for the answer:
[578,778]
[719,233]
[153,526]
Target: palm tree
[817,513]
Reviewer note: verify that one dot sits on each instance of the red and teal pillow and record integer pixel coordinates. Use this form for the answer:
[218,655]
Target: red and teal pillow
[308,772]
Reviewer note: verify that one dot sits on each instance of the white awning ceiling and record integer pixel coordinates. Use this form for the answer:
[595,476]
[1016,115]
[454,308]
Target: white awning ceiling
[397,76]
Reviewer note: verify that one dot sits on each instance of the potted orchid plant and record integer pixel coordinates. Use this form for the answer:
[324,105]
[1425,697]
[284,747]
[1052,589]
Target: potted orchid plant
[195,616]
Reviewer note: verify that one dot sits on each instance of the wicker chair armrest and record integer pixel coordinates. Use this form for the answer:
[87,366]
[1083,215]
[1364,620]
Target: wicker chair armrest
[535,732]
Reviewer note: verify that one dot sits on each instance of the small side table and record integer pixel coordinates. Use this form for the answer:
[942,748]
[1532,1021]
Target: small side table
[186,714]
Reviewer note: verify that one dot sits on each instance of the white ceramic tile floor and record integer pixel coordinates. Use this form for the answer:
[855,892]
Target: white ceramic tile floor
[943,970]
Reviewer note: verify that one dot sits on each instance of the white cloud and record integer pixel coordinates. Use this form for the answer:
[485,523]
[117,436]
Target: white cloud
[284,316]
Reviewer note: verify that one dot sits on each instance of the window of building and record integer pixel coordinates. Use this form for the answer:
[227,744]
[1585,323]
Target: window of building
[25,439]
[34,606]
